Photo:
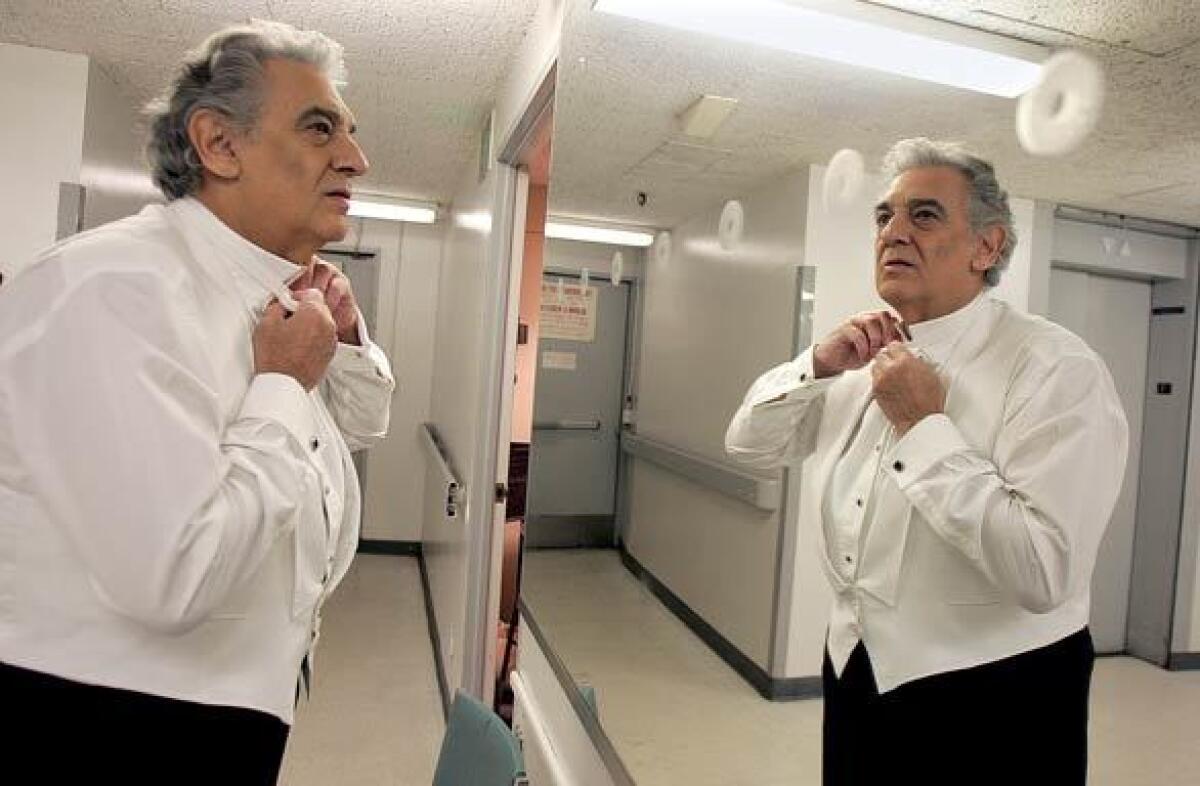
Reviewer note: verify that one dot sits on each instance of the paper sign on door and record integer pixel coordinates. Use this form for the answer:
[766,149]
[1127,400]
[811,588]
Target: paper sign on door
[568,312]
[563,361]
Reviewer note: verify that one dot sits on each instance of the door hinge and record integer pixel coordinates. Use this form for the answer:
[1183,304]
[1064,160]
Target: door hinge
[501,493]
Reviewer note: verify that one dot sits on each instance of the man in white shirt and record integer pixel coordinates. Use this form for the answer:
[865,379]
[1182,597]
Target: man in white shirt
[177,395]
[968,457]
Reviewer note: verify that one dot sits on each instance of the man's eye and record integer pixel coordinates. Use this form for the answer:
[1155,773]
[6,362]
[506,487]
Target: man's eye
[881,219]
[924,216]
[322,127]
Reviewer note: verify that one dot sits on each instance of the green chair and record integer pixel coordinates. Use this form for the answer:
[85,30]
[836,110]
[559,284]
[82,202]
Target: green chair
[478,749]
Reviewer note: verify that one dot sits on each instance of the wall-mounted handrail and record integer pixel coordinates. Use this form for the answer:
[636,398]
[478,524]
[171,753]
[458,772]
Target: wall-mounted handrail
[438,457]
[762,492]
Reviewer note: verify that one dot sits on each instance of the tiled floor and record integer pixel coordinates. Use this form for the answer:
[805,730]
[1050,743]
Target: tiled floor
[375,716]
[678,715]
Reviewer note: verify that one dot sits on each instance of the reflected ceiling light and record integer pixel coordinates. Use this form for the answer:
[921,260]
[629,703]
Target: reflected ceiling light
[564,230]
[872,37]
[480,222]
[412,212]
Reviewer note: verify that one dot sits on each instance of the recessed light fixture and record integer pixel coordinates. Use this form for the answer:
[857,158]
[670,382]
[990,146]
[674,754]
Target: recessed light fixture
[411,212]
[881,39]
[566,230]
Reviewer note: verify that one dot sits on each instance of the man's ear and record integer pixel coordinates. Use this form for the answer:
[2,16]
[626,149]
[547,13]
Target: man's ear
[988,245]
[214,139]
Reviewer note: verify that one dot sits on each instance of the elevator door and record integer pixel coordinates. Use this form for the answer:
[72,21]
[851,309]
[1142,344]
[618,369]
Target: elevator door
[1113,316]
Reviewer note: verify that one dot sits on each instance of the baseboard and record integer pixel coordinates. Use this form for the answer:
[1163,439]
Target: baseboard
[1184,661]
[406,548]
[439,666]
[568,532]
[773,688]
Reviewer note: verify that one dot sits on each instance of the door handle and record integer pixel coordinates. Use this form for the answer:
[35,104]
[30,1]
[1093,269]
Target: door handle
[566,425]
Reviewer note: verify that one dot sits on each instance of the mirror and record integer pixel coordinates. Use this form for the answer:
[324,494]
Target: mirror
[683,592]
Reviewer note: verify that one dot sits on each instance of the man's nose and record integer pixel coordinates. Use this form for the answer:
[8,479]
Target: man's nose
[350,159]
[896,230]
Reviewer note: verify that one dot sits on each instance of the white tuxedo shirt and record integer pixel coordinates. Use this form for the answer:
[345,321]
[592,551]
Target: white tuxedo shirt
[170,522]
[978,530]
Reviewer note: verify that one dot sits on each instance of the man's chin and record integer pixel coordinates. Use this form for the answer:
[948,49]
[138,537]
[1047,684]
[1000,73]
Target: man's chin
[894,293]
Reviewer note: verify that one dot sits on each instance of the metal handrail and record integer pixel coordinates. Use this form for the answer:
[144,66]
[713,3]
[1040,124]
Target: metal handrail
[762,492]
[441,462]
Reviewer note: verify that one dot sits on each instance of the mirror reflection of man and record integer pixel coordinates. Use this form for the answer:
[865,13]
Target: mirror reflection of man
[968,458]
[177,499]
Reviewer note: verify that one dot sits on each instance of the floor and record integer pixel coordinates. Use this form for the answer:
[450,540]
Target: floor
[374,716]
[678,715]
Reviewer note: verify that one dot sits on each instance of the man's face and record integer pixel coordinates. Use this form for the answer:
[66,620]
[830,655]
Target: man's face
[296,166]
[928,261]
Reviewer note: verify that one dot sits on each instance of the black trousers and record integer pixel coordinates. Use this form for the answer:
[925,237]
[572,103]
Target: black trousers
[1021,720]
[65,732]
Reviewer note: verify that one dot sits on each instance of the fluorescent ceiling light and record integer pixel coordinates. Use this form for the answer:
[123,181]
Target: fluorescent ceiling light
[871,37]
[562,230]
[412,213]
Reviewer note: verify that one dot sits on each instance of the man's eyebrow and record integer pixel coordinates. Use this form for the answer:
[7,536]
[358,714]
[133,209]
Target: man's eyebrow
[882,206]
[333,116]
[914,204]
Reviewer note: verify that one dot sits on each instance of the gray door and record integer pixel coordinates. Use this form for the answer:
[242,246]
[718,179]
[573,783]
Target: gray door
[577,423]
[1113,316]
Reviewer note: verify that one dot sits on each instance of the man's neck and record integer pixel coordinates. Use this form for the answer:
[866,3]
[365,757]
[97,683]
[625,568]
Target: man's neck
[916,313]
[230,213]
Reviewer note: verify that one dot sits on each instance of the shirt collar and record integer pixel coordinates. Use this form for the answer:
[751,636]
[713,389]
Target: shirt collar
[263,273]
[936,338]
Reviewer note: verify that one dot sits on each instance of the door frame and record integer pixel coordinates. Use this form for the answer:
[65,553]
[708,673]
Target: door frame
[489,458]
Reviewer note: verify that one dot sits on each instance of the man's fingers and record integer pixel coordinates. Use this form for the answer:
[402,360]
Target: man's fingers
[861,344]
[312,296]
[323,274]
[274,312]
[337,291]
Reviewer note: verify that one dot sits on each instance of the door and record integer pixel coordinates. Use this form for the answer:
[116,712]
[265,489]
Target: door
[577,413]
[1113,316]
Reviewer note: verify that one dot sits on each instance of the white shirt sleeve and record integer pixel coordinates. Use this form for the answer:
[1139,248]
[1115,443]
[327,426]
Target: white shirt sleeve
[169,506]
[776,423]
[358,389]
[1035,510]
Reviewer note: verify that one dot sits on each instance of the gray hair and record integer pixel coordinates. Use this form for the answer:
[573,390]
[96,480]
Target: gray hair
[988,203]
[225,74]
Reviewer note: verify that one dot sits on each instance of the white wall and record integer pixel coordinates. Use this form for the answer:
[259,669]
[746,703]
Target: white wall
[113,169]
[410,260]
[1085,247]
[45,93]
[714,320]
[455,411]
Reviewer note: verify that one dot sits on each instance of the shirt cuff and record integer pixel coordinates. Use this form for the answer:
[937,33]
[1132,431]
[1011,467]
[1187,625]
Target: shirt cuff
[798,383]
[281,399]
[926,444]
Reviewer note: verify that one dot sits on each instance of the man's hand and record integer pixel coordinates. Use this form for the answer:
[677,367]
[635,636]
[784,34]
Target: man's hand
[855,342]
[299,345]
[339,297]
[906,387]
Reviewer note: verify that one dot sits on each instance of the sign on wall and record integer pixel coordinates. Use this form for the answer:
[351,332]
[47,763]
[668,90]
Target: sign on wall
[568,312]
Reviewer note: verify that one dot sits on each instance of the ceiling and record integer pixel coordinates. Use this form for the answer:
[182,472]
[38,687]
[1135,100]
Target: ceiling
[622,82]
[423,73]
